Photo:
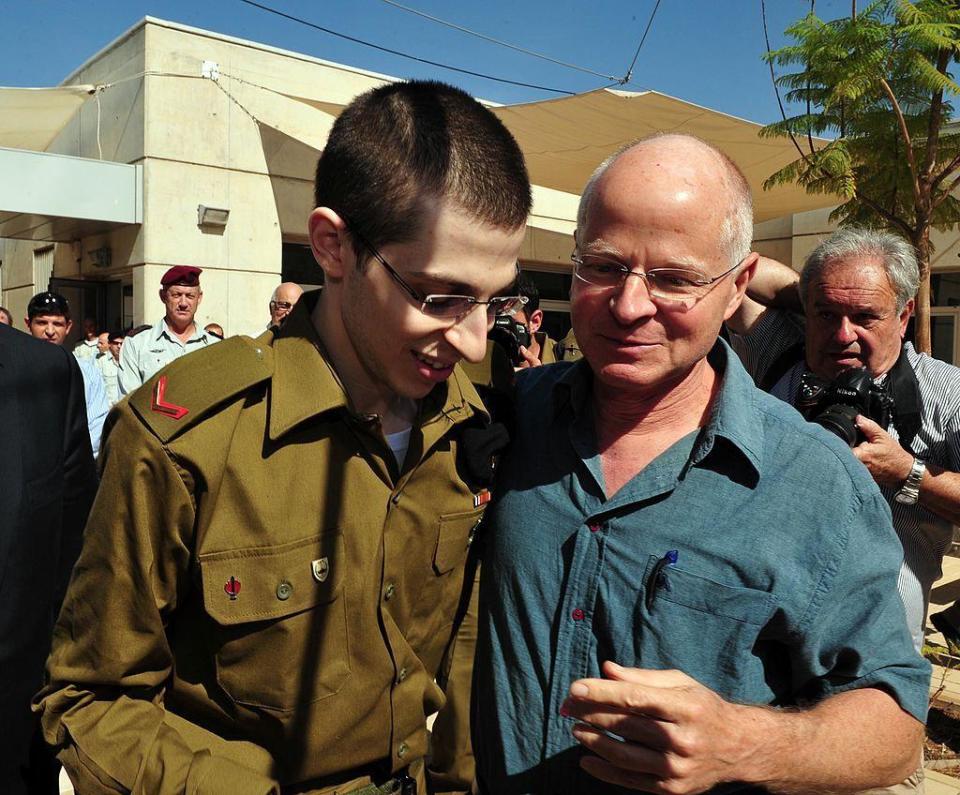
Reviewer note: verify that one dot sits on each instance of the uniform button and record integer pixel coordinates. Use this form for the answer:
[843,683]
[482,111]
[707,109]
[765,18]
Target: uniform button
[401,675]
[389,591]
[577,614]
[402,750]
[284,591]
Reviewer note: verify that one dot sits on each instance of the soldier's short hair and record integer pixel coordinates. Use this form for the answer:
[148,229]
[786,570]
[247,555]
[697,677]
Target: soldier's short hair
[399,146]
[527,287]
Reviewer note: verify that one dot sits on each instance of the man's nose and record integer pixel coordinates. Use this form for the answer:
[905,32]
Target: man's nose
[845,333]
[468,335]
[631,300]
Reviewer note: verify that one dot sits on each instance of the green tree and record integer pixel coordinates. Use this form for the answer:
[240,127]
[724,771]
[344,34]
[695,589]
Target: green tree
[877,85]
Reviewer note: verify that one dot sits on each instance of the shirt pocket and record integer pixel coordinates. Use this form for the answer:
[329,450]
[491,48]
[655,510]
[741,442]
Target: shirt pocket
[280,636]
[455,532]
[441,595]
[704,628]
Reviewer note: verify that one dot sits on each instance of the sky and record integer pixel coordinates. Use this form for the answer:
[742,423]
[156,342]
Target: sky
[703,51]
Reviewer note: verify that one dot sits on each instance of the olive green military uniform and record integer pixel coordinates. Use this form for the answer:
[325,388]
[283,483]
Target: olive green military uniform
[264,597]
[548,353]
[569,349]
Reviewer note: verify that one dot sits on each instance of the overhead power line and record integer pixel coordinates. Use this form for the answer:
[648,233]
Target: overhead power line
[643,38]
[439,65]
[500,42]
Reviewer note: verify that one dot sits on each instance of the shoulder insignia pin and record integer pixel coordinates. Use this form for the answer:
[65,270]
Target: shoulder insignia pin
[320,568]
[159,405]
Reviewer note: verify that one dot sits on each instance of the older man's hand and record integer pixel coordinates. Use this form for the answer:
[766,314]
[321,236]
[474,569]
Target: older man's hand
[679,736]
[888,462]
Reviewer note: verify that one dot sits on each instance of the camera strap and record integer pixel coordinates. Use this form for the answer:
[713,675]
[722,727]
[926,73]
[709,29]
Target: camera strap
[780,366]
[903,387]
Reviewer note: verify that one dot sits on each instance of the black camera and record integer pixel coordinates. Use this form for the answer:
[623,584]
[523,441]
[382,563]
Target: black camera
[510,334]
[836,404]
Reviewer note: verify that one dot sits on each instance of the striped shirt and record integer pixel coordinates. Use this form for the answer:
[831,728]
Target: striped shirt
[924,535]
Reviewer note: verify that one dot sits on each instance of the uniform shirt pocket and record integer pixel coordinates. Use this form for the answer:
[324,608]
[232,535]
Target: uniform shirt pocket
[279,629]
[454,536]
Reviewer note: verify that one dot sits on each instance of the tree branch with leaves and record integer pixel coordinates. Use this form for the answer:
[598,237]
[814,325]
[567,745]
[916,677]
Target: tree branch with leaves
[875,130]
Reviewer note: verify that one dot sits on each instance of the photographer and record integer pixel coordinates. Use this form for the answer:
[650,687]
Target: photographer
[857,293]
[537,348]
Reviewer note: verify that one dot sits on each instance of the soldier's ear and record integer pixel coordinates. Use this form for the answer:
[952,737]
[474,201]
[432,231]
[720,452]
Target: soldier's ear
[329,242]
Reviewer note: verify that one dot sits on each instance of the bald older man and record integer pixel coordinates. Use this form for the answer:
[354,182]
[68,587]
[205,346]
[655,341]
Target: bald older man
[284,298]
[671,601]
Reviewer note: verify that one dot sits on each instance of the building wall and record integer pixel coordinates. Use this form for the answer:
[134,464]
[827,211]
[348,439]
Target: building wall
[792,238]
[198,144]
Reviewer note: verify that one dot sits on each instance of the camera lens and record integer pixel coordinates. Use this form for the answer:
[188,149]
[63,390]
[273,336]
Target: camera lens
[840,420]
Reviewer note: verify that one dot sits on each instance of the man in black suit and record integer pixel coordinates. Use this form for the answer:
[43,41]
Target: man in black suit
[47,483]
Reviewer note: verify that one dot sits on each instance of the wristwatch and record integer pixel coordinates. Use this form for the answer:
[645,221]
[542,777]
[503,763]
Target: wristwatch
[910,491]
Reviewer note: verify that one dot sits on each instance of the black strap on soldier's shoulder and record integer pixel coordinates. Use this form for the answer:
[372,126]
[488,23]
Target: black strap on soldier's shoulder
[781,365]
[907,407]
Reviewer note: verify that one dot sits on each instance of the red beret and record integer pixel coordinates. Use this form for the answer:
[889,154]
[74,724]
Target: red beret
[187,275]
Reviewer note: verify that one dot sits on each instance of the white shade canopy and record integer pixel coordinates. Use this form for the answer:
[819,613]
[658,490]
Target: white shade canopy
[30,118]
[564,140]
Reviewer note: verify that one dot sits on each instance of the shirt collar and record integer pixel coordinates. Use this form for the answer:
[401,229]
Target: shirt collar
[734,417]
[162,329]
[305,385]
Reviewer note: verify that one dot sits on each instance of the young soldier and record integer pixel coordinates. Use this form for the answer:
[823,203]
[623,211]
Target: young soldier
[274,570]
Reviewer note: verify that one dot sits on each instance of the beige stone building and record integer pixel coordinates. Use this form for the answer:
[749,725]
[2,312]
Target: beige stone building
[175,145]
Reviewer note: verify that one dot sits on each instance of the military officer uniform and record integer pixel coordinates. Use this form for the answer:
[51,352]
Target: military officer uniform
[265,598]
[86,349]
[110,370]
[146,353]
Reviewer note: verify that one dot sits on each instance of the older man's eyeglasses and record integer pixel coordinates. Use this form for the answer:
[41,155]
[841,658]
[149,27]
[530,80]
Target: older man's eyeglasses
[677,288]
[448,306]
[286,306]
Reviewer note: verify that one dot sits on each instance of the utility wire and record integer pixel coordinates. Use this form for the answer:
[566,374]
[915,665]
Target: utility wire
[313,25]
[506,44]
[643,38]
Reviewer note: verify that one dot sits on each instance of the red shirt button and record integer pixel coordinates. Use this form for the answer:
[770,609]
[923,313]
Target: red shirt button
[577,614]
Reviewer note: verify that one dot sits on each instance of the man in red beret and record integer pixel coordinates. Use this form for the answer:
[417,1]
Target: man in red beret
[175,335]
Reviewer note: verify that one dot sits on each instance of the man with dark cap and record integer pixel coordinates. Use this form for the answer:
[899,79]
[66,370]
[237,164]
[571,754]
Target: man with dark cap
[48,318]
[174,336]
[278,560]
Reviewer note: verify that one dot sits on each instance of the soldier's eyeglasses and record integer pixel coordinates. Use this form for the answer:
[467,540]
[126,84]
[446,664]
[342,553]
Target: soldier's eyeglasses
[671,288]
[448,306]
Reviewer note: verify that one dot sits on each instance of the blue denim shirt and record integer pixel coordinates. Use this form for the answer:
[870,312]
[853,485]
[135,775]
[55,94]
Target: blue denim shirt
[783,590]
